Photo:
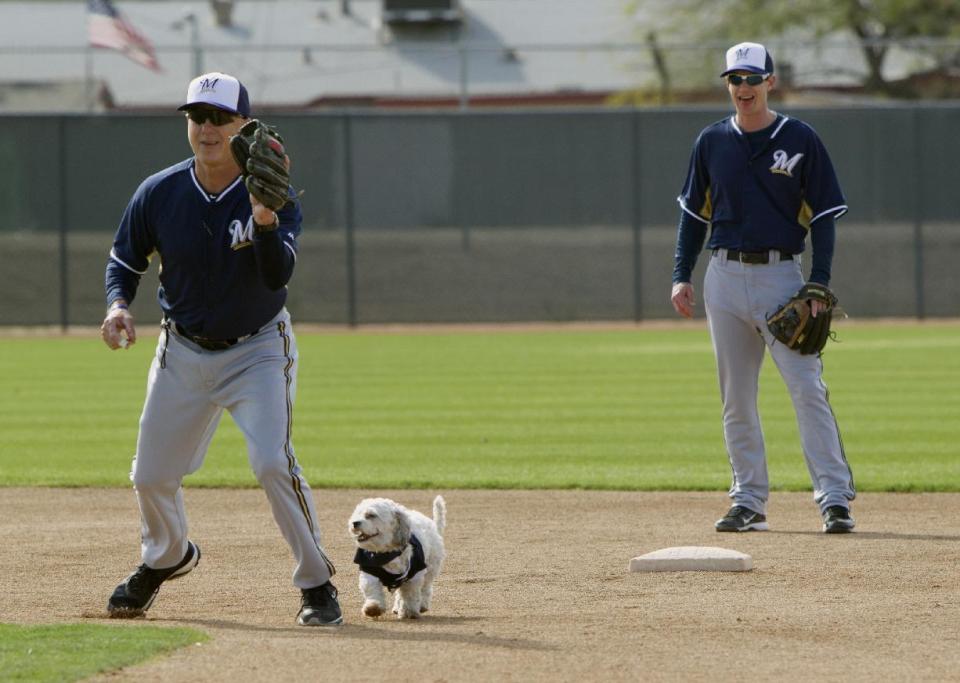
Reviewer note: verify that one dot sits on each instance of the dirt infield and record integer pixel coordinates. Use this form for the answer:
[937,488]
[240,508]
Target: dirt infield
[535,587]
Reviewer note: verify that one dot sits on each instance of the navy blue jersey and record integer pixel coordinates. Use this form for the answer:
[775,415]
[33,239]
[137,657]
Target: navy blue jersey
[218,279]
[761,198]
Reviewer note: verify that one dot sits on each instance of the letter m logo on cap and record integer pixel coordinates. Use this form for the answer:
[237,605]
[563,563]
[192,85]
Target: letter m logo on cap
[208,84]
[742,54]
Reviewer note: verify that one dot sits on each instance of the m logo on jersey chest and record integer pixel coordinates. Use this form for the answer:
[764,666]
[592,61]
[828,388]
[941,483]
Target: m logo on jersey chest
[241,235]
[783,164]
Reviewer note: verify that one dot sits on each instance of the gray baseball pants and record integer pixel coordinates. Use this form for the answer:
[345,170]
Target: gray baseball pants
[738,298]
[256,382]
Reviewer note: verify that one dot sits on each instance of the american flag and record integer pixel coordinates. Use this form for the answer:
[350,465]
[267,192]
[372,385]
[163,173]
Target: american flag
[108,28]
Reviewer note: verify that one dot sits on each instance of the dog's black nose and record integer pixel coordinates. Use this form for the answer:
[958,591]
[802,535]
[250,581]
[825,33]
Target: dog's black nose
[357,523]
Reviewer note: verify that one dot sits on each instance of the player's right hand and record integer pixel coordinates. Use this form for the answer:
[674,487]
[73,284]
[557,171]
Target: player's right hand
[117,330]
[683,299]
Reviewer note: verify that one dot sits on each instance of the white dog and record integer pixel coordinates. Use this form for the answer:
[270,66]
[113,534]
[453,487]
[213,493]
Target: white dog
[399,549]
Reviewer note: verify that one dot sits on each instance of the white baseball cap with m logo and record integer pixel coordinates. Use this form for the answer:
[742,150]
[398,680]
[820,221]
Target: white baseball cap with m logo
[752,57]
[218,90]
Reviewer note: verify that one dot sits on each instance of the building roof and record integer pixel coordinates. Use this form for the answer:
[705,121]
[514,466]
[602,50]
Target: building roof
[297,51]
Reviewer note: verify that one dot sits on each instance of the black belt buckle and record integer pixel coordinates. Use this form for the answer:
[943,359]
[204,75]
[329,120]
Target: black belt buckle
[205,343]
[754,257]
[214,344]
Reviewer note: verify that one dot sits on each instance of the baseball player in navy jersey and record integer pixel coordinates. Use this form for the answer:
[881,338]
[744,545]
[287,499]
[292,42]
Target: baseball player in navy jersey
[225,343]
[762,181]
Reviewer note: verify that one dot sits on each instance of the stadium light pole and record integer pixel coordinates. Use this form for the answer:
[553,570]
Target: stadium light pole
[464,67]
[195,49]
[88,78]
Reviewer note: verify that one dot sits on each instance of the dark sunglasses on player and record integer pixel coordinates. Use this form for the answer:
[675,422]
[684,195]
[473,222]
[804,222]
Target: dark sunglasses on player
[752,79]
[217,117]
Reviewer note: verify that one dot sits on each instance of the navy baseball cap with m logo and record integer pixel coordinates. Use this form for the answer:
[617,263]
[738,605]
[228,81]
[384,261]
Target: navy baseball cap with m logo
[218,90]
[752,57]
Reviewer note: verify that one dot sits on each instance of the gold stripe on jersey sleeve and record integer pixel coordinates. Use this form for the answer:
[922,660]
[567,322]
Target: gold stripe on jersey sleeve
[706,211]
[806,213]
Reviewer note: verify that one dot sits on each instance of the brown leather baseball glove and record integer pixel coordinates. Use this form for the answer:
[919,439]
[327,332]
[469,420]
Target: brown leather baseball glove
[259,151]
[793,325]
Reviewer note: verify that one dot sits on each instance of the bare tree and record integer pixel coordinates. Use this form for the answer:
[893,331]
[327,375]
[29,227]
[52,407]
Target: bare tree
[877,26]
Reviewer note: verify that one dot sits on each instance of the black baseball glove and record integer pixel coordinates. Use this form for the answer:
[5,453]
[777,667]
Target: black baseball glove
[793,325]
[259,151]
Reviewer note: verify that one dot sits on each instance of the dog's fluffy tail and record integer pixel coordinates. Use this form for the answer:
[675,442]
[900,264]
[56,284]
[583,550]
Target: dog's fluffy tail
[440,513]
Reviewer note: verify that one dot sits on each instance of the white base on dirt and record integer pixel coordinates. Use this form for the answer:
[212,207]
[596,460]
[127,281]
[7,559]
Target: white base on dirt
[692,558]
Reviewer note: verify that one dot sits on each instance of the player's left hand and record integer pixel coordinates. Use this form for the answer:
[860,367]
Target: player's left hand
[796,325]
[261,214]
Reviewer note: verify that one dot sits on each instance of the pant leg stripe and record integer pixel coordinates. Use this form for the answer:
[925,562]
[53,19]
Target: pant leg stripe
[288,445]
[843,452]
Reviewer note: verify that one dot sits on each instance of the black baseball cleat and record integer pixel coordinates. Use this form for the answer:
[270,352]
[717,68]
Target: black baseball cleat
[739,518]
[319,606]
[837,520]
[133,597]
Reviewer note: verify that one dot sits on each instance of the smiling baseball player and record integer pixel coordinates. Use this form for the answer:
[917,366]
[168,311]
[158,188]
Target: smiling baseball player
[226,238]
[762,181]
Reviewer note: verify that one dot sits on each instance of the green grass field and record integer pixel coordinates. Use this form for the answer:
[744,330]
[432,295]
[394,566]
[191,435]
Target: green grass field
[627,409]
[69,652]
[553,409]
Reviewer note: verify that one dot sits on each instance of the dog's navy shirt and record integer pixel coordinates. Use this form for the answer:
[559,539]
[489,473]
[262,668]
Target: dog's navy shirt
[372,563]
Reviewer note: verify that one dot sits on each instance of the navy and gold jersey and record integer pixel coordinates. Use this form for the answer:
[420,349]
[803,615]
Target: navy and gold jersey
[218,279]
[761,190]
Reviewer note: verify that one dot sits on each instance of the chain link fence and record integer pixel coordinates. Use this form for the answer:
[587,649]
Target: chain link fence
[469,217]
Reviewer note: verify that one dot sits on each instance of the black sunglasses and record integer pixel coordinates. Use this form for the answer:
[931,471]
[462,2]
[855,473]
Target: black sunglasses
[217,117]
[752,79]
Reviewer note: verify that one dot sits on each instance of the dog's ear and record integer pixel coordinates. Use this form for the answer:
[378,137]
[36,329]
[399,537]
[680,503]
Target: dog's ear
[401,535]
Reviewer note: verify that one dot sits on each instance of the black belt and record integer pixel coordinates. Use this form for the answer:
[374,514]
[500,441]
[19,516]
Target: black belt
[753,256]
[212,344]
